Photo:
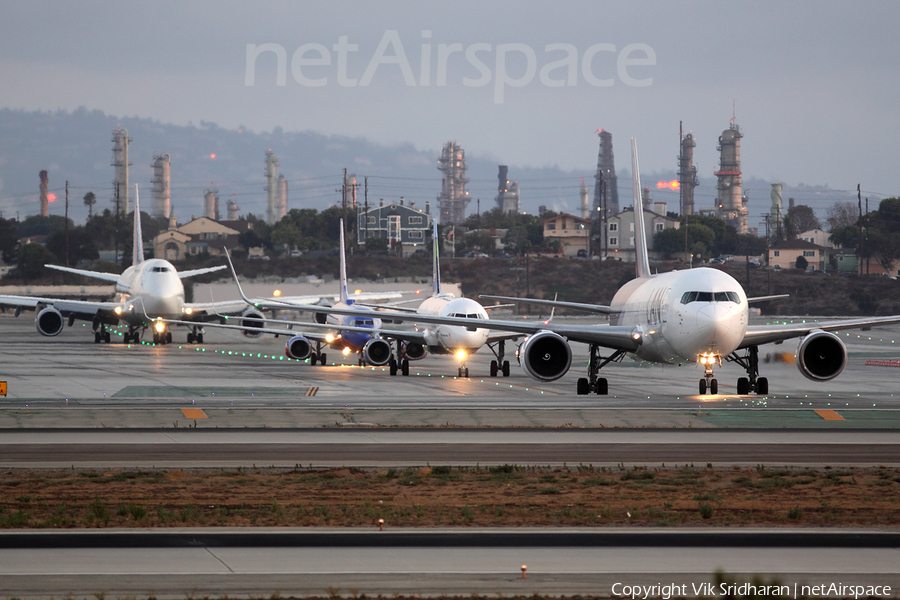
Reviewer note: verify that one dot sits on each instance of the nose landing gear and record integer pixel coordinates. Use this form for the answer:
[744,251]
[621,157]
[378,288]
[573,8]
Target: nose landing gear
[709,383]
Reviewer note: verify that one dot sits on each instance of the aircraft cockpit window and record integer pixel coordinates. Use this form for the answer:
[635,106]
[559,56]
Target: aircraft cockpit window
[160,269]
[364,323]
[473,316]
[689,297]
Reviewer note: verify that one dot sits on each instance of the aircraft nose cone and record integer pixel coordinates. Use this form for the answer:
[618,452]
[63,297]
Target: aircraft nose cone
[717,324]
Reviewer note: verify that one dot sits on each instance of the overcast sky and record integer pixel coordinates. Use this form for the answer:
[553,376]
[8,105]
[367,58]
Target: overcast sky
[814,85]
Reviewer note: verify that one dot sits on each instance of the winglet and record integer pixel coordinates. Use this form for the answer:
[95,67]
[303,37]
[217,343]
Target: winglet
[137,249]
[436,271]
[344,294]
[641,258]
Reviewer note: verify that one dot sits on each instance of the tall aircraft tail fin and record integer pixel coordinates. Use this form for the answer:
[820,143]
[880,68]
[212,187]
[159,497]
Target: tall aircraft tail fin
[137,249]
[344,295]
[436,271]
[641,257]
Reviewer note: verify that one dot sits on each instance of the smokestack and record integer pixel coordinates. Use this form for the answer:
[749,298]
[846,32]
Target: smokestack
[162,183]
[45,200]
[282,198]
[120,161]
[271,163]
[211,204]
[233,209]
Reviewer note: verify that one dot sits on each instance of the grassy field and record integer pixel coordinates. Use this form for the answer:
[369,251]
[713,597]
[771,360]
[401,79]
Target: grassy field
[503,496]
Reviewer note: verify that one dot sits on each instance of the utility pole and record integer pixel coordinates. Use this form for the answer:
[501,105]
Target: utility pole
[67,222]
[116,248]
[366,207]
[859,246]
[867,233]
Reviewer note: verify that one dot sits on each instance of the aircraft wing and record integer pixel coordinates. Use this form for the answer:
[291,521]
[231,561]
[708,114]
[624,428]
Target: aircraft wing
[80,308]
[594,308]
[194,272]
[767,334]
[113,277]
[412,335]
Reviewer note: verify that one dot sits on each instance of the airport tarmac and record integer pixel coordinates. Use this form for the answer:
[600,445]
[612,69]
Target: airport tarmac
[234,381]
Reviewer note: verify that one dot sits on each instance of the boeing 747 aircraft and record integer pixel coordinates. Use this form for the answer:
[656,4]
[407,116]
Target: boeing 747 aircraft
[696,316]
[148,287]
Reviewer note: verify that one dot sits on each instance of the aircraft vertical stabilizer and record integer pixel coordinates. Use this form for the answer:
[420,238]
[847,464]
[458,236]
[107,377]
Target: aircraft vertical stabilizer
[137,245]
[641,258]
[344,294]
[436,272]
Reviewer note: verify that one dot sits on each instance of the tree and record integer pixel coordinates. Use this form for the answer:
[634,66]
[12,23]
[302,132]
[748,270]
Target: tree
[9,239]
[40,225]
[32,258]
[81,246]
[801,263]
[841,214]
[798,219]
[90,199]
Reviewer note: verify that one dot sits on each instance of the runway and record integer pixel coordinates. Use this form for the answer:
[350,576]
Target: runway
[203,562]
[68,381]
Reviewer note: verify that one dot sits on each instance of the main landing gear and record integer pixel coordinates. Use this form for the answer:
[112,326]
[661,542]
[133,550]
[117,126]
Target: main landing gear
[195,335]
[500,365]
[753,382]
[594,383]
[133,335]
[399,363]
[318,356]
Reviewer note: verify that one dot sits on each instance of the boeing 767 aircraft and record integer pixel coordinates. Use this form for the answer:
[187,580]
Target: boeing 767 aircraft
[697,316]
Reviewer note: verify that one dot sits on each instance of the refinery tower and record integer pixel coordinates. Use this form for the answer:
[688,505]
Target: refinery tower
[606,191]
[731,205]
[454,197]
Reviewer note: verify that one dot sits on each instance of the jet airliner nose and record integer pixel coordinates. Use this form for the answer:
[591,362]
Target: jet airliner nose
[718,325]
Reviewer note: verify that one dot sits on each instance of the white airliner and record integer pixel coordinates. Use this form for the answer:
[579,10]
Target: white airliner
[697,315]
[147,288]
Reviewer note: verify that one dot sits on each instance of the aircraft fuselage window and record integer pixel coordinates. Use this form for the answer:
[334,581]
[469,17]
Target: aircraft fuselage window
[689,297]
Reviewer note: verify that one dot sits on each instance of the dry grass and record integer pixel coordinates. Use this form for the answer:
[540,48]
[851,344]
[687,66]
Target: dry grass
[505,496]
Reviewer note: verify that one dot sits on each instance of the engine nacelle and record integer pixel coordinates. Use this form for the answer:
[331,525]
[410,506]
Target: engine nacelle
[49,322]
[546,356]
[321,318]
[254,319]
[821,356]
[377,352]
[298,348]
[413,350]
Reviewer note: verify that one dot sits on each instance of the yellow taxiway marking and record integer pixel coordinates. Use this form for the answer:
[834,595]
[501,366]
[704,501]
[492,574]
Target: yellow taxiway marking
[194,413]
[2,388]
[829,415]
[312,391]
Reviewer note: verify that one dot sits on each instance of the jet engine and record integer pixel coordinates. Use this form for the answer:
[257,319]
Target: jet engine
[546,356]
[298,347]
[49,322]
[821,356]
[252,318]
[413,350]
[377,352]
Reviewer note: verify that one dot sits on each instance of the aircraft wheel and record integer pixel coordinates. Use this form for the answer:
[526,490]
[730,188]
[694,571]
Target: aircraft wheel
[583,387]
[404,368]
[96,337]
[494,368]
[199,338]
[168,337]
[506,368]
[602,386]
[155,338]
[393,367]
[322,358]
[459,372]
[743,386]
[106,337]
[190,338]
[762,386]
[313,358]
[702,386]
[714,387]
[467,372]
